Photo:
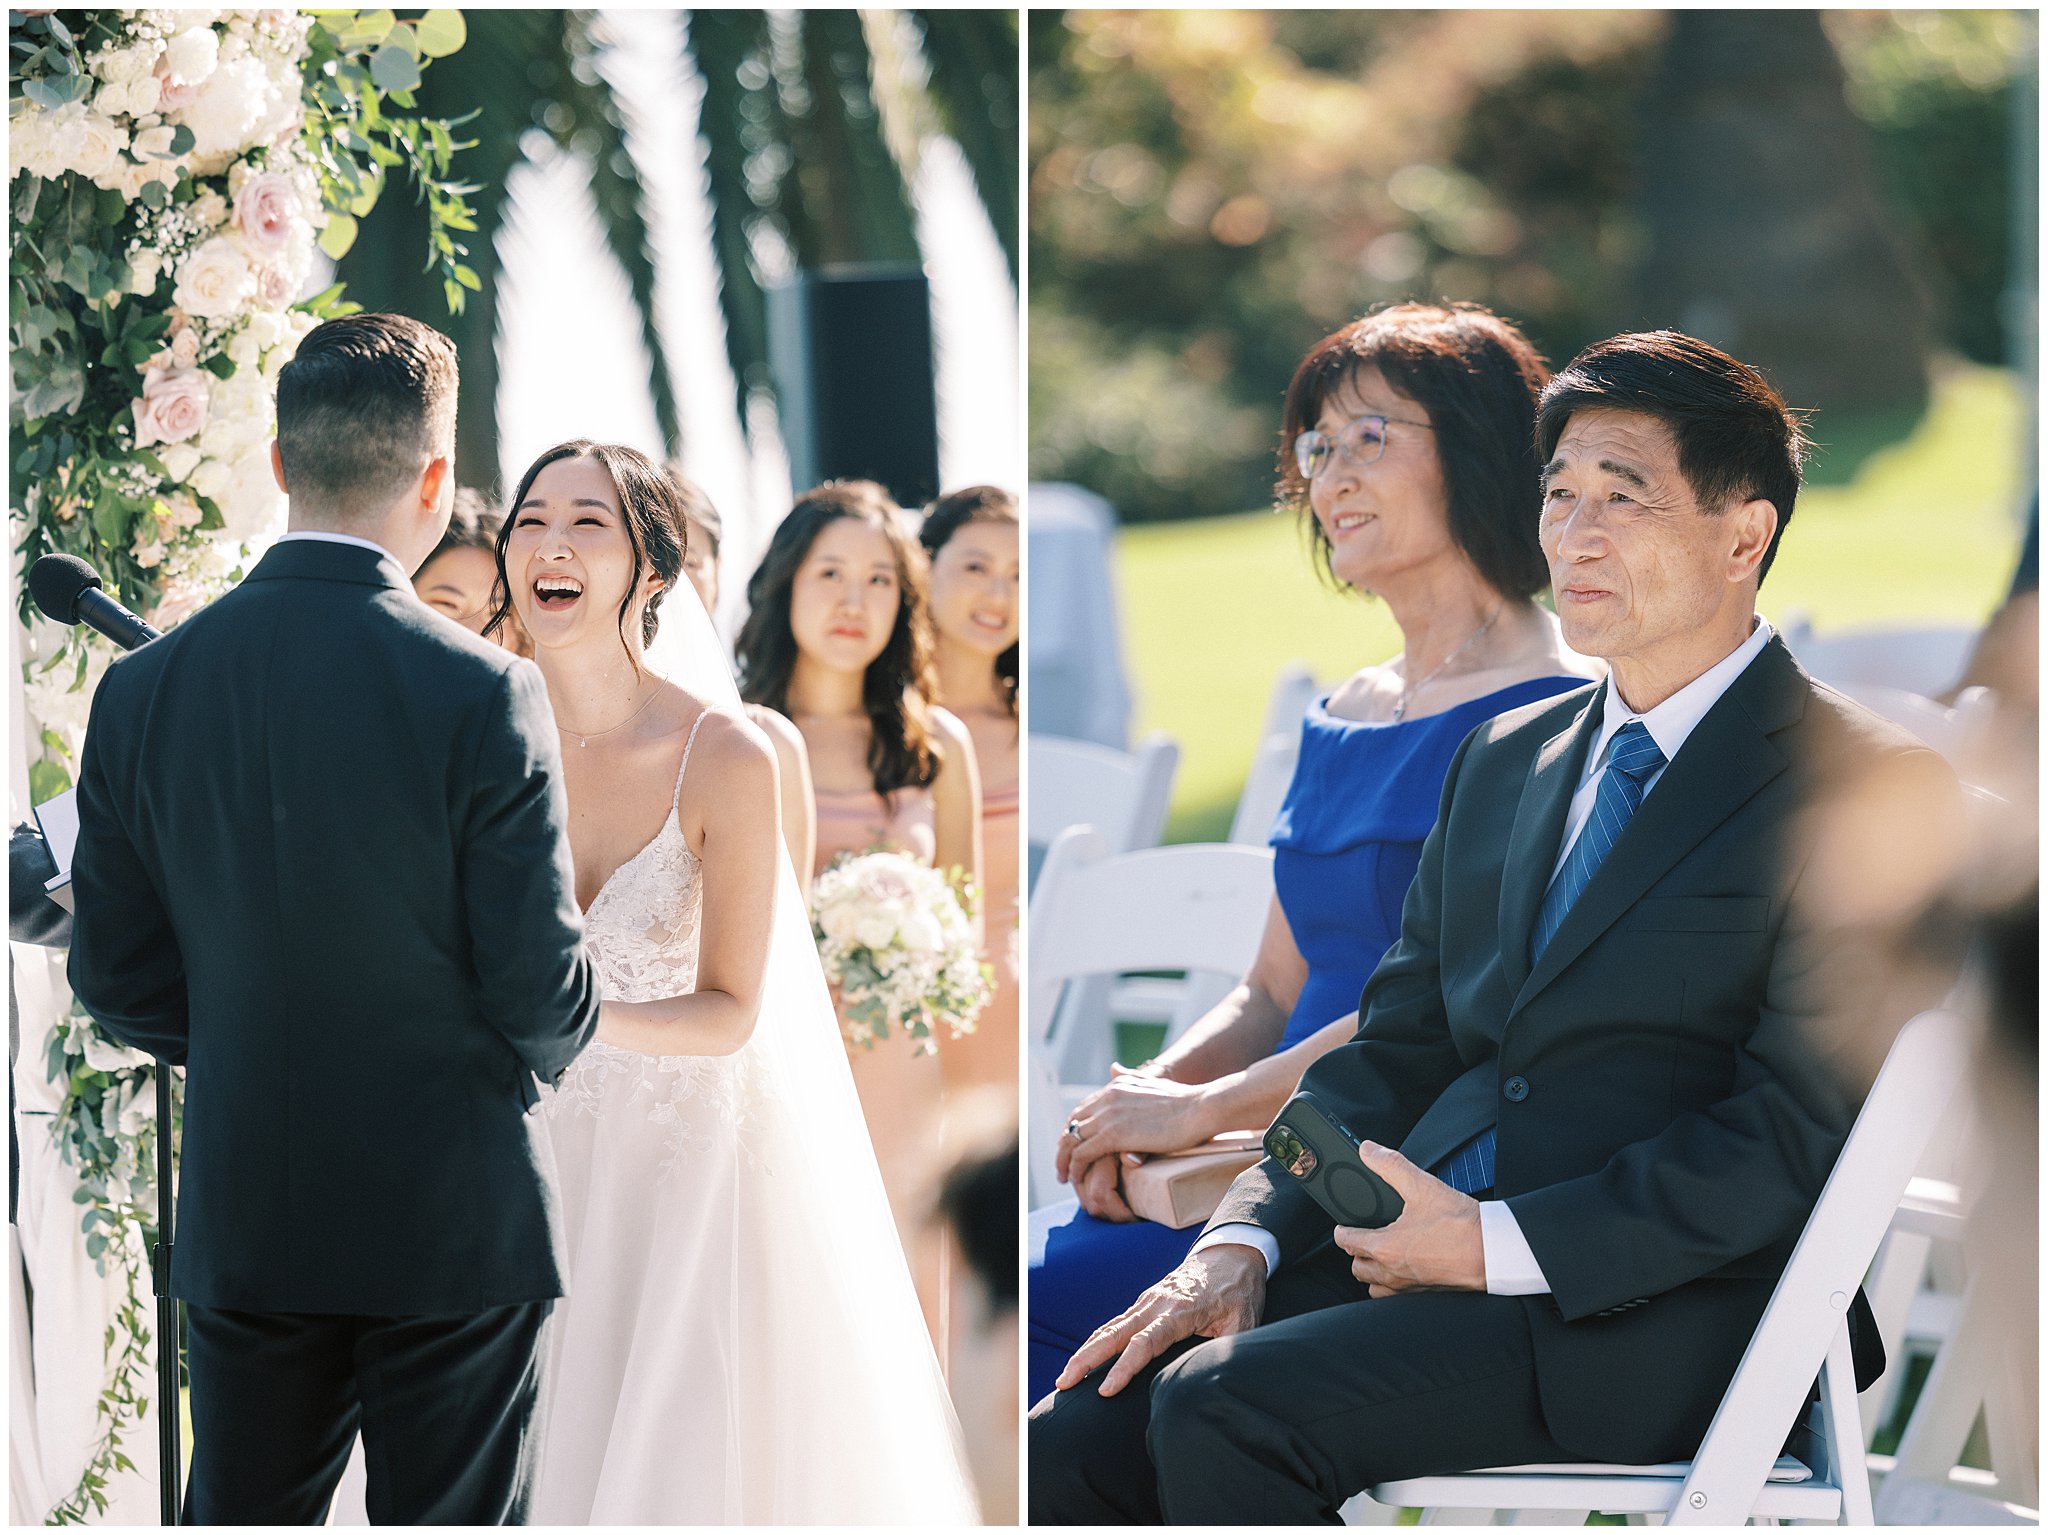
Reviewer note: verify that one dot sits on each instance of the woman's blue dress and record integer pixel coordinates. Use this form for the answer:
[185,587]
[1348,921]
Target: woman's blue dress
[1345,849]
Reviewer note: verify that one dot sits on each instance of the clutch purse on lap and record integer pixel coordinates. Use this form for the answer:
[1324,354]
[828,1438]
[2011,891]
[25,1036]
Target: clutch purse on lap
[1182,1188]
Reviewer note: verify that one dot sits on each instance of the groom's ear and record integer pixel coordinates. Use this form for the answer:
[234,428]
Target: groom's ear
[433,480]
[277,466]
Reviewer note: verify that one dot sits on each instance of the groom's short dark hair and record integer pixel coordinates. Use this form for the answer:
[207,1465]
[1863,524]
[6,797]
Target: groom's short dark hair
[364,405]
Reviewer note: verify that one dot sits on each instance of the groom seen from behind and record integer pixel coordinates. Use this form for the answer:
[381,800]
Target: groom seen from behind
[1592,1045]
[321,864]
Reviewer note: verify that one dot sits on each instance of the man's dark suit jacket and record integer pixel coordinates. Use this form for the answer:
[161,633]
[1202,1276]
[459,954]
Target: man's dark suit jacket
[1665,1124]
[321,863]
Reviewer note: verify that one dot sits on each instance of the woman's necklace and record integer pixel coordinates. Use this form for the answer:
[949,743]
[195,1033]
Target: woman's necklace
[1408,691]
[599,735]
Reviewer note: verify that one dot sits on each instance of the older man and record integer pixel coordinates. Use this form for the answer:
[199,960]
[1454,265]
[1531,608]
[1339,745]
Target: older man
[1589,1043]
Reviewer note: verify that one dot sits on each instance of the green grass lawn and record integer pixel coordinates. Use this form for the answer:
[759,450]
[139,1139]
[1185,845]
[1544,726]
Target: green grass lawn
[1925,529]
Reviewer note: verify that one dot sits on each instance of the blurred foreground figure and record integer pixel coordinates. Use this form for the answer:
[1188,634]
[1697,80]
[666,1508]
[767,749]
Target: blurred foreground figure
[978,1204]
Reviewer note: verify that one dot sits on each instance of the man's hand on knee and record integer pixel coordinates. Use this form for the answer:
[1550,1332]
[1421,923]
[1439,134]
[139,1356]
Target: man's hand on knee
[1435,1245]
[1214,1293]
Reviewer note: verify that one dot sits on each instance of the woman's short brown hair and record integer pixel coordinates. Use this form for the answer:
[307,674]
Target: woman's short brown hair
[1478,379]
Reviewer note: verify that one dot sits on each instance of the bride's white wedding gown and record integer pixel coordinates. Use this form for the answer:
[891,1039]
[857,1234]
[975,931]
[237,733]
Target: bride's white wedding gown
[718,1358]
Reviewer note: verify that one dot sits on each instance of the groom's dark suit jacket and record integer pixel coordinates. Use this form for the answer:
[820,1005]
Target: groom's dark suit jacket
[321,863]
[1665,1122]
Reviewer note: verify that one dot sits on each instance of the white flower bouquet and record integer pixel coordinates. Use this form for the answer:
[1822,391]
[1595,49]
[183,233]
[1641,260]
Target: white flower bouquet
[896,941]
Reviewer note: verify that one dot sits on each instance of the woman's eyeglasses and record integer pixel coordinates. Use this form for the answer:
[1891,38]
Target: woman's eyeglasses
[1358,442]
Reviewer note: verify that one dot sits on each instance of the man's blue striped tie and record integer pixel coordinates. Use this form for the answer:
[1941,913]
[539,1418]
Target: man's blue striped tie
[1631,758]
[1469,1169]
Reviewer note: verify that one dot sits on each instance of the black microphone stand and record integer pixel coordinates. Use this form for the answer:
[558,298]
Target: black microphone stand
[171,1467]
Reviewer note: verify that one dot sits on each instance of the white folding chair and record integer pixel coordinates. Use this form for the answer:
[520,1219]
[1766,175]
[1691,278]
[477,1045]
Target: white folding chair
[1123,795]
[1196,907]
[1739,1473]
[1956,733]
[1927,659]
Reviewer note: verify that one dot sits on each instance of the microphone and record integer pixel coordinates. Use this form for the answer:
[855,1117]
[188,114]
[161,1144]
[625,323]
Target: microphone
[70,591]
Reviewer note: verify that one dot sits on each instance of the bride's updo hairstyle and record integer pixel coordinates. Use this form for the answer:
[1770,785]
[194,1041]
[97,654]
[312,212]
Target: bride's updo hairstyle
[654,527]
[1477,379]
[899,686]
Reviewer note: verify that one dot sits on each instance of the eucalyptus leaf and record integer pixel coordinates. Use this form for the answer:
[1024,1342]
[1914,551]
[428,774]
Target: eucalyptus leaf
[394,69]
[338,236]
[441,33]
[367,28]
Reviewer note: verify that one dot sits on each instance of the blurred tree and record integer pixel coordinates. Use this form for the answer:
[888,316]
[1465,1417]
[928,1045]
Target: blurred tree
[1766,235]
[801,172]
[1210,191]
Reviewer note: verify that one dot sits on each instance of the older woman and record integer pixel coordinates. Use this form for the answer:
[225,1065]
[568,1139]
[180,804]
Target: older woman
[1408,449]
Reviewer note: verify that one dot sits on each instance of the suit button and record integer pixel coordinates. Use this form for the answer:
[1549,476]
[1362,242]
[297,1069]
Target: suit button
[1515,1089]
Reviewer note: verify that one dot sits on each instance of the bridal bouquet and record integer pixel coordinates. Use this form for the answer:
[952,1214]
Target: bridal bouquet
[897,943]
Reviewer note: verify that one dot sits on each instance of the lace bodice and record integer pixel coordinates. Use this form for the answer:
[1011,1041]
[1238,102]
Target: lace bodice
[643,925]
[642,931]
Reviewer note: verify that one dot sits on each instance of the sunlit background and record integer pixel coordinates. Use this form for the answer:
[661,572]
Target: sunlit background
[596,150]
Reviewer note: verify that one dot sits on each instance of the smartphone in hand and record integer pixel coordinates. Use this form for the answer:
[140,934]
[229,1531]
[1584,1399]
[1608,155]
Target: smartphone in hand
[1322,1156]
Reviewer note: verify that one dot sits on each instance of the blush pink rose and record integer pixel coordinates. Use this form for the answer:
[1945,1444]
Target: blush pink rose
[172,407]
[267,213]
[275,288]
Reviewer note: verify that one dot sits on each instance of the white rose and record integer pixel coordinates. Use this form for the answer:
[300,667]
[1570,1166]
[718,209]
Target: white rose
[227,114]
[184,347]
[874,929]
[837,921]
[920,932]
[214,281]
[45,143]
[244,351]
[254,506]
[118,66]
[179,459]
[145,94]
[149,550]
[192,55]
[212,478]
[266,329]
[143,269]
[209,210]
[155,143]
[130,178]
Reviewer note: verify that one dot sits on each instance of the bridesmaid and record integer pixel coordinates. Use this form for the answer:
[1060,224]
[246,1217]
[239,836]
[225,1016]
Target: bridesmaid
[706,529]
[836,638]
[971,536]
[460,578]
[1409,456]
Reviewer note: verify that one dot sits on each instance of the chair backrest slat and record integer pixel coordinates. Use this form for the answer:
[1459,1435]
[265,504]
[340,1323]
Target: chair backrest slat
[1921,1073]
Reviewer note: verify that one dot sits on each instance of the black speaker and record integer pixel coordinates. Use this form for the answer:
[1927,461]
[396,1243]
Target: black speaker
[852,352]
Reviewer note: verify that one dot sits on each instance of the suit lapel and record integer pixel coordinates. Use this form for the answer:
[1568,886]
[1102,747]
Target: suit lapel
[1727,758]
[1539,826]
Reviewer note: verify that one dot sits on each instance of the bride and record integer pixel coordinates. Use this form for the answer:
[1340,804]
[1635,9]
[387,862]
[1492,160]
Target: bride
[740,1343]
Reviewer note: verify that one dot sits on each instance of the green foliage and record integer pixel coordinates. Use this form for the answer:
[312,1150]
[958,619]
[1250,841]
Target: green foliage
[361,64]
[116,1193]
[1211,191]
[1945,96]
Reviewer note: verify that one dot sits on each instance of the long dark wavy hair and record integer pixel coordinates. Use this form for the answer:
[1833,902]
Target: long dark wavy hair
[947,516]
[654,527]
[899,686]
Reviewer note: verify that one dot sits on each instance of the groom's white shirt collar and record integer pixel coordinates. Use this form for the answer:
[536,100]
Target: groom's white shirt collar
[338,538]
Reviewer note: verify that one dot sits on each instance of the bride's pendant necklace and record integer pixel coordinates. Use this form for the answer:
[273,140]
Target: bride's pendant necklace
[599,735]
[1408,691]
